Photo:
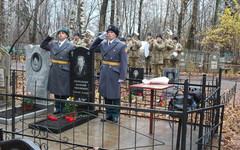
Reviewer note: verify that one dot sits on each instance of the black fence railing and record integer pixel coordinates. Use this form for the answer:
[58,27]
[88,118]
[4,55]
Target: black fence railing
[194,129]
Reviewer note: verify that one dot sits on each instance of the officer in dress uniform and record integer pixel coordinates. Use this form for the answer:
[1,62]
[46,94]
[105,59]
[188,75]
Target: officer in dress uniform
[177,50]
[59,74]
[156,48]
[113,69]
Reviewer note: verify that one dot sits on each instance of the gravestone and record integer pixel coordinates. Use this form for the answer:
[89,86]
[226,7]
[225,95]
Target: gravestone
[5,61]
[172,74]
[136,74]
[37,70]
[214,63]
[82,80]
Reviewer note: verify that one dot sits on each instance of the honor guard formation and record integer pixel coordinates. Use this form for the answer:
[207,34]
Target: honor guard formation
[113,56]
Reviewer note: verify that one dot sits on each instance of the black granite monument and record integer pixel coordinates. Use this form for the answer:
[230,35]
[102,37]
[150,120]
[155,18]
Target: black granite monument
[136,77]
[82,71]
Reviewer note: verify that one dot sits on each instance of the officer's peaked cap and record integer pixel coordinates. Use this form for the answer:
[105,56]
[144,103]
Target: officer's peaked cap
[113,28]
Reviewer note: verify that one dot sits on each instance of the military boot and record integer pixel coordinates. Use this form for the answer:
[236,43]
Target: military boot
[150,71]
[146,71]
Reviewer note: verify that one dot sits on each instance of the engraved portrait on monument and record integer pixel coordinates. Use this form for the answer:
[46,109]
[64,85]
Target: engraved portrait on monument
[36,62]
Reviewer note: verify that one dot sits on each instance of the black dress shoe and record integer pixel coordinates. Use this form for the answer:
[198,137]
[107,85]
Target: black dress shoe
[106,118]
[115,119]
[56,112]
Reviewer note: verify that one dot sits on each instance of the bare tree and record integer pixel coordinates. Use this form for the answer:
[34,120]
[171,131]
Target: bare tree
[81,17]
[140,18]
[165,20]
[181,16]
[103,14]
[112,11]
[216,12]
[192,30]
[2,24]
[35,19]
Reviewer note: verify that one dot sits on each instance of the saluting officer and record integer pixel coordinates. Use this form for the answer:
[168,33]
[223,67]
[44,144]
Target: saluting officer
[59,74]
[157,48]
[113,69]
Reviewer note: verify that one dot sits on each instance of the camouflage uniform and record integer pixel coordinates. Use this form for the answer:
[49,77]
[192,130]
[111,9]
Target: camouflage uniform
[168,50]
[77,43]
[133,52]
[157,48]
[177,48]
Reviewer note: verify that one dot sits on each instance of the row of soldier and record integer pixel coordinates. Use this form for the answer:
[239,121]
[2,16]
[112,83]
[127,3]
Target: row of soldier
[164,51]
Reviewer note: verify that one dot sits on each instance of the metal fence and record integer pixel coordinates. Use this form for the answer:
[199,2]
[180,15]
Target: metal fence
[196,129]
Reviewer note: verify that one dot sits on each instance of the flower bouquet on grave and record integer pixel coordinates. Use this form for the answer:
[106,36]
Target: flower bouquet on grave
[30,101]
[164,100]
[71,109]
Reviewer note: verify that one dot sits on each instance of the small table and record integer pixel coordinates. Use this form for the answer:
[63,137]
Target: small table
[152,87]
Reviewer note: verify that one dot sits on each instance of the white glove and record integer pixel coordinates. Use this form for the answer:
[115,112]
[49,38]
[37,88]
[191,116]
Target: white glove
[102,36]
[52,34]
[119,80]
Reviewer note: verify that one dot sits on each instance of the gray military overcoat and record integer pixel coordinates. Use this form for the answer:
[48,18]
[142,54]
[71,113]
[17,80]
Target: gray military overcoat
[109,86]
[59,74]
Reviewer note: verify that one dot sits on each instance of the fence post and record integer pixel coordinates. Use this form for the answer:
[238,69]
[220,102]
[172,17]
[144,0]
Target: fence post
[218,98]
[185,116]
[235,91]
[13,105]
[200,133]
[1,134]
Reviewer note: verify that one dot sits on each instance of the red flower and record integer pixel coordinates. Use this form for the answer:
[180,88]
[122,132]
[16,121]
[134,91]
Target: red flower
[140,94]
[74,119]
[66,117]
[71,120]
[160,103]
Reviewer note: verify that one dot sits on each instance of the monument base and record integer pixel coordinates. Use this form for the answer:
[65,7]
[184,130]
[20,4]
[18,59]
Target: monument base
[40,109]
[62,124]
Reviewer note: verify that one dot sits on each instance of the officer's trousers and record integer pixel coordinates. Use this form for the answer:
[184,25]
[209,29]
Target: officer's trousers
[110,111]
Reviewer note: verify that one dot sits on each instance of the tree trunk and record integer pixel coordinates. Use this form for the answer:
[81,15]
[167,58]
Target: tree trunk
[112,11]
[81,18]
[35,19]
[140,18]
[103,13]
[72,18]
[2,24]
[181,16]
[215,14]
[192,30]
[165,20]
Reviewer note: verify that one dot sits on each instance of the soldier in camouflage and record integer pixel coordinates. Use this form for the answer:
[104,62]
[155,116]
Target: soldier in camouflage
[178,48]
[133,50]
[169,48]
[87,41]
[148,60]
[97,59]
[156,47]
[77,41]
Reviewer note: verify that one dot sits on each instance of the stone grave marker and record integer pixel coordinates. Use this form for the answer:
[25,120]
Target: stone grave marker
[37,70]
[5,61]
[136,74]
[82,80]
[172,74]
